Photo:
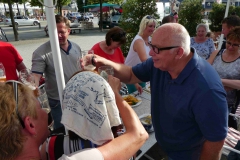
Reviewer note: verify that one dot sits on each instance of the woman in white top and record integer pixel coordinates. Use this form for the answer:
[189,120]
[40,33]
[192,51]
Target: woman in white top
[139,49]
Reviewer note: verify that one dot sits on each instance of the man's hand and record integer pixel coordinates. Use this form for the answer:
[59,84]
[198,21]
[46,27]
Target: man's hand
[139,88]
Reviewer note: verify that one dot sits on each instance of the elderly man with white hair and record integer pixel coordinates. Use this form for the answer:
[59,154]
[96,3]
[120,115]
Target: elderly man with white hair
[188,107]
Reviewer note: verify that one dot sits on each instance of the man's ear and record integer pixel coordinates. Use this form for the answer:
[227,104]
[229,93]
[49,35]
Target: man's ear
[179,53]
[30,126]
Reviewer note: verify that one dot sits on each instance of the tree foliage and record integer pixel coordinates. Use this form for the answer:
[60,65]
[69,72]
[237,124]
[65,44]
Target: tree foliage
[217,15]
[60,3]
[133,12]
[190,15]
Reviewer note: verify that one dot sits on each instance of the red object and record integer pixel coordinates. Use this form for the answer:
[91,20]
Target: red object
[97,9]
[117,56]
[10,59]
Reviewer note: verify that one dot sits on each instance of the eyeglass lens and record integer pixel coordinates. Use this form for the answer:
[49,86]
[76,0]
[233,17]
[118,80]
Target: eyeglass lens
[232,44]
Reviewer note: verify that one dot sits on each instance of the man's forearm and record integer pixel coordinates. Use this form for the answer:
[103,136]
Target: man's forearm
[211,150]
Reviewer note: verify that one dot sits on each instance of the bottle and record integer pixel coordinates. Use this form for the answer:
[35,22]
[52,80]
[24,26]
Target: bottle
[2,73]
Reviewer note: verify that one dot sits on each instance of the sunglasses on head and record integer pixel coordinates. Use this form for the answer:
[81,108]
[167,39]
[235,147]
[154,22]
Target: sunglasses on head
[15,90]
[149,17]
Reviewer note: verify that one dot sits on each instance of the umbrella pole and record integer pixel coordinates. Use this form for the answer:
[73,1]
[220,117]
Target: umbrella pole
[55,46]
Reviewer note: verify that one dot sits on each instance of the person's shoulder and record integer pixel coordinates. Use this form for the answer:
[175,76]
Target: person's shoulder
[96,45]
[45,46]
[3,44]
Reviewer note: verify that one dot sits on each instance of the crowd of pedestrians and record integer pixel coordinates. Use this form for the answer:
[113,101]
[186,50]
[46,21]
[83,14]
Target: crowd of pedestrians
[194,87]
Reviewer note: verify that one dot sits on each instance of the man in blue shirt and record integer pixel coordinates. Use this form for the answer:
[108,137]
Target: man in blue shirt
[189,108]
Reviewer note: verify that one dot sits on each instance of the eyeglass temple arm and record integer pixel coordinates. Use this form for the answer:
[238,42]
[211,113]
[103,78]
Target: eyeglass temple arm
[15,88]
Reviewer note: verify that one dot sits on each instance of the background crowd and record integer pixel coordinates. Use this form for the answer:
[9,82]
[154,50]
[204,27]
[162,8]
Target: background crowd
[193,89]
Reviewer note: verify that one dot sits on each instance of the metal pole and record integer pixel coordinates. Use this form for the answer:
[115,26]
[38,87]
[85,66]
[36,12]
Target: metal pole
[52,31]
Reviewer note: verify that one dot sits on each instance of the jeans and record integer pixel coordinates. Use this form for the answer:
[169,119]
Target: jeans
[56,111]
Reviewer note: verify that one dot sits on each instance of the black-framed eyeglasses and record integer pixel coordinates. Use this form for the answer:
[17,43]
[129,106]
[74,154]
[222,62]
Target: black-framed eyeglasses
[233,44]
[149,17]
[157,50]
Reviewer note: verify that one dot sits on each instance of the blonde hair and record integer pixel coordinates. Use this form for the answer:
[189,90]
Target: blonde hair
[144,22]
[12,140]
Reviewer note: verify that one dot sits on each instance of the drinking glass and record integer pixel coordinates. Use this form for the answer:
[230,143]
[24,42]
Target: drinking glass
[2,73]
[87,61]
[104,71]
[43,99]
[27,78]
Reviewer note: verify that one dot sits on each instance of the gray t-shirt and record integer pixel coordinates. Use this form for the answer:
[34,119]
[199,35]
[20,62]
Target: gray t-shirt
[227,70]
[42,62]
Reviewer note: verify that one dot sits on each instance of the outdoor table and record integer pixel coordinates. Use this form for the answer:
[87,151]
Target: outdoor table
[144,108]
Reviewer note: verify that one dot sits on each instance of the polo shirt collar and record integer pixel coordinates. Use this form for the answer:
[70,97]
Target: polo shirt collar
[188,68]
[69,47]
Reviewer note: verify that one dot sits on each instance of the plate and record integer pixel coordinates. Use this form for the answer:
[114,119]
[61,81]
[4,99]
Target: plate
[145,115]
[137,104]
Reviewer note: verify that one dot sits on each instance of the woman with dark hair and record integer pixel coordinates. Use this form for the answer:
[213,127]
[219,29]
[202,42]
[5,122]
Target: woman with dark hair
[110,48]
[227,63]
[168,19]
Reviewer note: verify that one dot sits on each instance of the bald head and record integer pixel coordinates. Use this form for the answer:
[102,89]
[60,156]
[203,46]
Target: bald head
[172,34]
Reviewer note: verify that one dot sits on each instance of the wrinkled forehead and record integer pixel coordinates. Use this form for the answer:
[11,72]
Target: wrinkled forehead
[161,37]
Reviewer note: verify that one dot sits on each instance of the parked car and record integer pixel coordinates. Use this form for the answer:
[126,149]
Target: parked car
[2,18]
[76,15]
[90,15]
[115,20]
[22,21]
[85,17]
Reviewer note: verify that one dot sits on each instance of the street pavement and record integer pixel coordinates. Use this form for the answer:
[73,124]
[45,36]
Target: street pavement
[31,37]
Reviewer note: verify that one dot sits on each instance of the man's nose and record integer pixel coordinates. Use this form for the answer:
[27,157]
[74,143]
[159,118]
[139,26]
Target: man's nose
[151,53]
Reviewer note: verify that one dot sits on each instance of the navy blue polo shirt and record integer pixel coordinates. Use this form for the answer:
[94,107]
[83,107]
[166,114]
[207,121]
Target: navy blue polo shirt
[187,110]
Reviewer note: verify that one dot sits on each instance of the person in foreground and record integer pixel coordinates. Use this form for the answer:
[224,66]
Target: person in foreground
[90,114]
[188,107]
[227,63]
[24,127]
[11,60]
[42,62]
[139,48]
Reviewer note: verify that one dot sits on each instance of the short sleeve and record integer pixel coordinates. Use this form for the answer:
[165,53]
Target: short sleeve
[39,57]
[85,154]
[211,114]
[211,46]
[18,58]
